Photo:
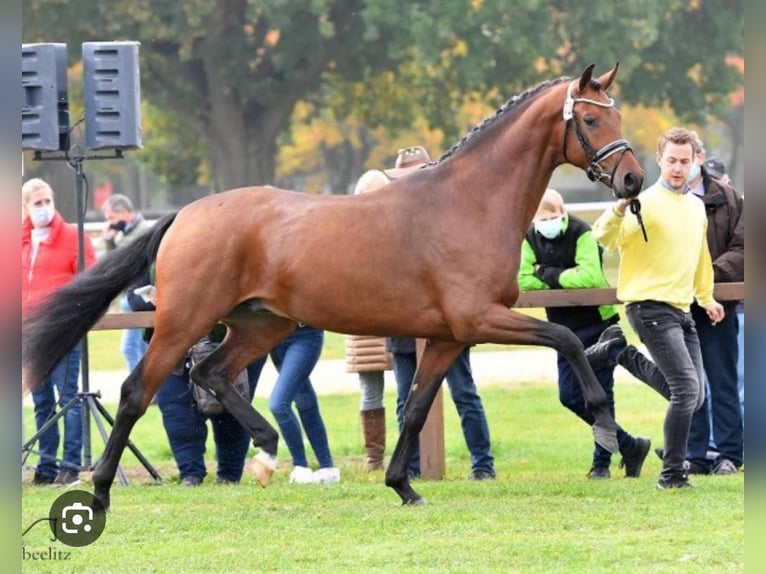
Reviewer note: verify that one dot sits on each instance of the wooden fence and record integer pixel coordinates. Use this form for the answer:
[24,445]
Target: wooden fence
[432,460]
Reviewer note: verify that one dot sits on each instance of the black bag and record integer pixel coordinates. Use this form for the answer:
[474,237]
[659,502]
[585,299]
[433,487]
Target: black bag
[206,401]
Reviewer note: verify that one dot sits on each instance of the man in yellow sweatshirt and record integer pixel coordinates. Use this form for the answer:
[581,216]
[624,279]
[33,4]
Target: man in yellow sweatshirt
[658,280]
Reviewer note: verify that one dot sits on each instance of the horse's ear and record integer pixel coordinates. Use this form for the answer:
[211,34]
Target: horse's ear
[585,78]
[607,79]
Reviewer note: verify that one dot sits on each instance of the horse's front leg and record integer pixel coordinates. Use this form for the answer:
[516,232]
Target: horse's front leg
[432,367]
[501,325]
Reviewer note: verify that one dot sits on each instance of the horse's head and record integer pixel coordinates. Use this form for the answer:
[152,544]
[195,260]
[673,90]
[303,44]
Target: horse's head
[599,147]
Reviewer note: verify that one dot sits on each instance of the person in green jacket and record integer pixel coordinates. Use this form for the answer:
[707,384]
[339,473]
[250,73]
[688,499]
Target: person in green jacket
[560,252]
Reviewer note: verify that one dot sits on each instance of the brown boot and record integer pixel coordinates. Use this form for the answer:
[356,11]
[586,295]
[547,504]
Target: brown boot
[374,432]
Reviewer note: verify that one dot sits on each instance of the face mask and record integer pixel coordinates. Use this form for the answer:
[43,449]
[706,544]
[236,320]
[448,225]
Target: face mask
[119,226]
[550,228]
[42,216]
[693,172]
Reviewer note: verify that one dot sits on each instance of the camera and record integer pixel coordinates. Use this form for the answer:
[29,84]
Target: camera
[76,518]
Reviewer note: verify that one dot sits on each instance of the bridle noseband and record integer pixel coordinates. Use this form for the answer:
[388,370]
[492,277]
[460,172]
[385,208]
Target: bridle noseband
[595,171]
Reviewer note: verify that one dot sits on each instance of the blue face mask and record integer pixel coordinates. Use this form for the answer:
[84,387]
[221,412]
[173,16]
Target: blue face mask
[693,172]
[550,228]
[42,216]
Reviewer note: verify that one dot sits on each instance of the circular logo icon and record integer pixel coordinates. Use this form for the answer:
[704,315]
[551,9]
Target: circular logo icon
[77,518]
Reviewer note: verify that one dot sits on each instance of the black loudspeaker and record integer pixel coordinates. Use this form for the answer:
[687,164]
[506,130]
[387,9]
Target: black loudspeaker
[45,100]
[112,95]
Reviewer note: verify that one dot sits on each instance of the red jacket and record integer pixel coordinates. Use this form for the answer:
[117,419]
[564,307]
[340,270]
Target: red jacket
[56,262]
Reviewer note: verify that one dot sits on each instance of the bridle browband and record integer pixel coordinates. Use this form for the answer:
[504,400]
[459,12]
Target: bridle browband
[595,171]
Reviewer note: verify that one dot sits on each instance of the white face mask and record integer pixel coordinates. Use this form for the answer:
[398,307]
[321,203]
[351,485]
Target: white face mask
[42,216]
[550,228]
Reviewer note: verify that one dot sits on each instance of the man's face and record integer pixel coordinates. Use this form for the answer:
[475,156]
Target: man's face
[675,163]
[113,216]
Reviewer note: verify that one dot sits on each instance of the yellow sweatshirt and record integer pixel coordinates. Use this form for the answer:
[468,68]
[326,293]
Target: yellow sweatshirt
[674,266]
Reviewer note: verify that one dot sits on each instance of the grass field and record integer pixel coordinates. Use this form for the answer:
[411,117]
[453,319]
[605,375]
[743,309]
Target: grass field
[540,515]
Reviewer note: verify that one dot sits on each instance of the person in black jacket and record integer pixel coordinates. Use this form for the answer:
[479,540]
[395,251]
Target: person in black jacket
[720,417]
[559,252]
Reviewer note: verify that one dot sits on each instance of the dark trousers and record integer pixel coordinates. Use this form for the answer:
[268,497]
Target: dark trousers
[671,337]
[719,357]
[570,393]
[187,429]
[467,402]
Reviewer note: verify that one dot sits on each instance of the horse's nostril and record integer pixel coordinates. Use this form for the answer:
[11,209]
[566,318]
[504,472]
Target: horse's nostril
[632,184]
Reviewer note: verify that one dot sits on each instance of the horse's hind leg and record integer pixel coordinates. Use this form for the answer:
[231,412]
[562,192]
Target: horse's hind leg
[432,367]
[245,341]
[507,327]
[135,395]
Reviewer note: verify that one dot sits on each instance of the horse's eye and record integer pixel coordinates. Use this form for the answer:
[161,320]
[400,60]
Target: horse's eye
[589,121]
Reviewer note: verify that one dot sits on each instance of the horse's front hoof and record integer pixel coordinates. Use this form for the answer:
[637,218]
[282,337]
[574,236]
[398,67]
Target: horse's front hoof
[606,438]
[263,466]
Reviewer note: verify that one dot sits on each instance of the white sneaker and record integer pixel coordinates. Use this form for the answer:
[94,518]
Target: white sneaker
[301,475]
[327,475]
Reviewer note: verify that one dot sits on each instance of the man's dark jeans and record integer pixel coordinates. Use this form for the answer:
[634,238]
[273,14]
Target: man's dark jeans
[719,356]
[671,337]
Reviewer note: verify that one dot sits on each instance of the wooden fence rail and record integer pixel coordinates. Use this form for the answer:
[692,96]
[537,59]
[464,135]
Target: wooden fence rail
[432,459]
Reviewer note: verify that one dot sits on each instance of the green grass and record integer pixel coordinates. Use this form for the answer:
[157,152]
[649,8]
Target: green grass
[540,515]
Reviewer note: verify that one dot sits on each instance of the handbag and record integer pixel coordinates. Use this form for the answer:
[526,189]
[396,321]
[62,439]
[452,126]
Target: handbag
[205,400]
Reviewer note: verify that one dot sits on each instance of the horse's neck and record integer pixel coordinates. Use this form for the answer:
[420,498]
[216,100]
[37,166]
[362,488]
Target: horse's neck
[500,181]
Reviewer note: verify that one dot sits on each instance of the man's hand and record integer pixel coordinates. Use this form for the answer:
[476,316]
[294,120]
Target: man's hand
[620,206]
[715,312]
[108,232]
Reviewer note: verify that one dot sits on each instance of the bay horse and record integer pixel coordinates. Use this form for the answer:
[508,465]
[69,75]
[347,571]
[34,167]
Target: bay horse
[262,260]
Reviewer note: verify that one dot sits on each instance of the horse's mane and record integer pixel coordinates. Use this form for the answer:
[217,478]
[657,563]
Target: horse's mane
[508,106]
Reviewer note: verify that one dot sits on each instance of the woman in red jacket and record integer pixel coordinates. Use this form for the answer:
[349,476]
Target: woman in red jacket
[49,256]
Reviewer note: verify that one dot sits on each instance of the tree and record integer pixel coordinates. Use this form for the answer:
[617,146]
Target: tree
[234,70]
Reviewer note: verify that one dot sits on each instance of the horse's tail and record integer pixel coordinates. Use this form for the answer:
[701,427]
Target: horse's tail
[63,319]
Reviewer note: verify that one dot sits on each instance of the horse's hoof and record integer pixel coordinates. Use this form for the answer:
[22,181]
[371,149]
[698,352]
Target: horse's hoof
[263,466]
[606,437]
[419,501]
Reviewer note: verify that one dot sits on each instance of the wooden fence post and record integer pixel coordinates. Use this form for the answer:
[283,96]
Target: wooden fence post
[432,456]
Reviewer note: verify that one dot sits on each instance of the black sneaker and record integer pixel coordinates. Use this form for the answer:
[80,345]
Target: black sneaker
[41,479]
[220,480]
[480,474]
[678,481]
[598,353]
[67,477]
[191,481]
[634,460]
[599,473]
[724,466]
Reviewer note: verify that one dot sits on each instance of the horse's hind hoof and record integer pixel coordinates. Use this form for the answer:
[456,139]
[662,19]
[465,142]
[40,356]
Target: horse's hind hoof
[606,438]
[263,466]
[419,501]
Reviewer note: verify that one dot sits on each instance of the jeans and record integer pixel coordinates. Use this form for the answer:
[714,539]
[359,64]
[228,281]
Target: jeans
[467,402]
[670,336]
[371,383]
[294,359]
[133,344]
[719,356]
[187,430]
[570,393]
[61,381]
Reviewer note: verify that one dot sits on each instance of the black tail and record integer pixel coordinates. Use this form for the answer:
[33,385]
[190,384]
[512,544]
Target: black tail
[63,319]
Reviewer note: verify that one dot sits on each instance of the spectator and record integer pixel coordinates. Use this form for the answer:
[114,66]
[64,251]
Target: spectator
[50,260]
[726,242]
[658,282]
[459,376]
[560,252]
[186,426]
[123,224]
[294,359]
[367,355]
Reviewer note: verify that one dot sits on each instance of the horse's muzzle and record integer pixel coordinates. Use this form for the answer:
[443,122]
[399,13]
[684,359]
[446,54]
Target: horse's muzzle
[629,185]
